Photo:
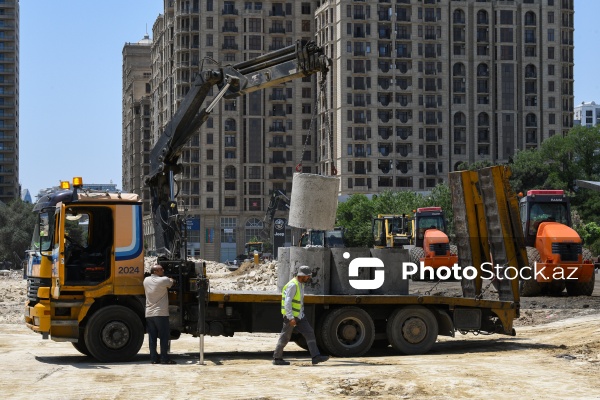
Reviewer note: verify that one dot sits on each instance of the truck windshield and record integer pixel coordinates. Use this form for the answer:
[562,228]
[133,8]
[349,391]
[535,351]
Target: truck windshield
[42,234]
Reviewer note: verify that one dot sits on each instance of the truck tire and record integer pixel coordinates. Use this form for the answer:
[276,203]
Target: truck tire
[80,345]
[412,330]
[299,339]
[529,287]
[347,332]
[577,288]
[114,334]
[414,255]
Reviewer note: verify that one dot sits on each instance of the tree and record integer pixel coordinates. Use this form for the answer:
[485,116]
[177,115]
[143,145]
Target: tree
[17,222]
[355,216]
[529,170]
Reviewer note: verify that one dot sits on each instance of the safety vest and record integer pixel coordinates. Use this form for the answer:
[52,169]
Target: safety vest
[296,301]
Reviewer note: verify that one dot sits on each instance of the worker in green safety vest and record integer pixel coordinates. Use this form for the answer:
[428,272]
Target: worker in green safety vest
[292,309]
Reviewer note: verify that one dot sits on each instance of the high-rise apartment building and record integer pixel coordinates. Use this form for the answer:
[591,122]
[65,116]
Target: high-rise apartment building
[417,88]
[423,86]
[9,100]
[136,144]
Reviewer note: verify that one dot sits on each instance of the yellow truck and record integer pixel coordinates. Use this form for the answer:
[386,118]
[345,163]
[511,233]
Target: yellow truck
[89,291]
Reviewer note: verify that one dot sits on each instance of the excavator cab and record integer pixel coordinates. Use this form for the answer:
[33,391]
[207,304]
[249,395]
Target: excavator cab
[428,218]
[541,206]
[391,231]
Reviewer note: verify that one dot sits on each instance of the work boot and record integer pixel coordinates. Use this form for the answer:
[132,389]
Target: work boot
[319,359]
[280,361]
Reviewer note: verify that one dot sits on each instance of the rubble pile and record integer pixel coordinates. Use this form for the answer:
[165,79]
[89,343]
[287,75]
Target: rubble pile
[248,277]
[13,294]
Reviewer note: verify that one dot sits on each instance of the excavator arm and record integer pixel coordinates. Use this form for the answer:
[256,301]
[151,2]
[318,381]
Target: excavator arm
[277,198]
[274,68]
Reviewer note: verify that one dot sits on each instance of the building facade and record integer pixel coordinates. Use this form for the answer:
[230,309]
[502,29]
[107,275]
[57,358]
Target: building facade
[423,86]
[417,88]
[136,143]
[9,101]
[587,114]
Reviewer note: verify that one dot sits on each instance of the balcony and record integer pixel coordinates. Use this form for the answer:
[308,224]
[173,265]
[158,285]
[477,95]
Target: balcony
[277,176]
[229,46]
[277,29]
[277,160]
[277,97]
[229,11]
[230,28]
[277,128]
[277,144]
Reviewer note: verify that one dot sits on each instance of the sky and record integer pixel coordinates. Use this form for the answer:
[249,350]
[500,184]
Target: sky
[71,83]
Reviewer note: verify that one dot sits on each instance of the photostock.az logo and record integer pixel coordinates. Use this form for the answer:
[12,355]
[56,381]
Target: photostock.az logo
[365,262]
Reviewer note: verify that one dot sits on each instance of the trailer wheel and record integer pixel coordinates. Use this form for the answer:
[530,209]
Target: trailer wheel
[530,287]
[581,288]
[347,332]
[412,330]
[114,334]
[415,254]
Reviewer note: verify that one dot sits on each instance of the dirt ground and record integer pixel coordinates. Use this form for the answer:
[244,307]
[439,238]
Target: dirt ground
[555,355]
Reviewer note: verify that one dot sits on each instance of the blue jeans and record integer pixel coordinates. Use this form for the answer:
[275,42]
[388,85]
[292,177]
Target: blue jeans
[158,327]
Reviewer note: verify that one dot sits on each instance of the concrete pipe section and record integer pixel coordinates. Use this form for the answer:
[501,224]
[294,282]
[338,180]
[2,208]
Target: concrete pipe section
[313,202]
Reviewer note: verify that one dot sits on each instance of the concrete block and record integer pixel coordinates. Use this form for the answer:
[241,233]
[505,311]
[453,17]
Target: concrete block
[283,267]
[313,202]
[339,270]
[318,259]
[392,263]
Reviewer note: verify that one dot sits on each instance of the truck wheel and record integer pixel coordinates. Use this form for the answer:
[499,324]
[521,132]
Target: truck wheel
[299,339]
[530,287]
[114,334]
[80,345]
[415,254]
[347,332]
[577,288]
[412,329]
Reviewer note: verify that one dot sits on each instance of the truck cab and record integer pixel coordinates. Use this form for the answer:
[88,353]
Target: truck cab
[87,252]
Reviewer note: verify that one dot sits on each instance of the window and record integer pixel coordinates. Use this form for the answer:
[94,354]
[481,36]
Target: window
[209,186]
[253,25]
[230,201]
[254,188]
[551,53]
[305,7]
[305,25]
[209,23]
[209,202]
[209,154]
[209,5]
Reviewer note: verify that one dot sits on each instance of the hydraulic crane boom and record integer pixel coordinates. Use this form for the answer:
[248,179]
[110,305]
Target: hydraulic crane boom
[268,70]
